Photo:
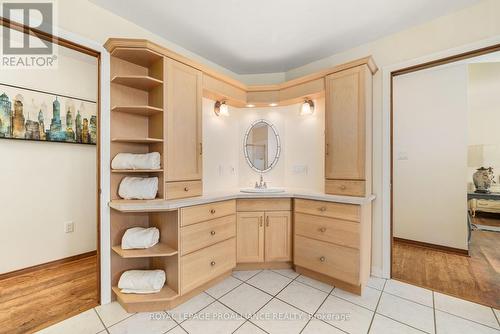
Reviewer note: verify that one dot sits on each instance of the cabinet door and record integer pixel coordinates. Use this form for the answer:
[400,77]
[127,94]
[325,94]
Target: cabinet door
[278,236]
[345,123]
[250,237]
[183,122]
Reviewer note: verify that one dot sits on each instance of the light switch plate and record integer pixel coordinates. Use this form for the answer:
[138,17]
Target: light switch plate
[300,169]
[69,227]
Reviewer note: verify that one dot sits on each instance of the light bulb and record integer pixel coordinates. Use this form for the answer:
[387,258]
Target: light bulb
[307,108]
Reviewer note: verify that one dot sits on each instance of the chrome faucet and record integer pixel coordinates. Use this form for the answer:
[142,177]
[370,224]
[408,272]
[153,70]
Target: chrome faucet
[261,184]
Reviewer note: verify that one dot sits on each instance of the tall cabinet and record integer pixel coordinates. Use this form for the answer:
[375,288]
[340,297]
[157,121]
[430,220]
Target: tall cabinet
[348,124]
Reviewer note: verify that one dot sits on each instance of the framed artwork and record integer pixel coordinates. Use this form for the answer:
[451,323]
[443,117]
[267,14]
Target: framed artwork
[30,114]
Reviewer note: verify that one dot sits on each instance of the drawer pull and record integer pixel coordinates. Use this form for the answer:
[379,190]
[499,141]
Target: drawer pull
[212,232]
[343,187]
[322,259]
[323,229]
[260,221]
[322,209]
[212,211]
[267,221]
[186,188]
[212,263]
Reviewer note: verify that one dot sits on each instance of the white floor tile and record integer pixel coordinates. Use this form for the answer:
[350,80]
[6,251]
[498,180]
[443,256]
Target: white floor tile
[345,315]
[407,312]
[245,275]
[369,299]
[450,324]
[465,309]
[112,313]
[186,310]
[245,300]
[223,287]
[269,281]
[280,318]
[319,327]
[144,323]
[177,330]
[315,284]
[408,291]
[383,325]
[83,323]
[376,282]
[216,318]
[249,328]
[303,296]
[290,273]
[497,313]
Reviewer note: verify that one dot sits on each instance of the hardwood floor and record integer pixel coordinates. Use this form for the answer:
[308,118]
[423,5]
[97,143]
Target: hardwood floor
[475,278]
[35,300]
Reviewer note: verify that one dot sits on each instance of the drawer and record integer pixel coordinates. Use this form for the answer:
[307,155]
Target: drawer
[183,189]
[200,213]
[329,259]
[204,234]
[340,232]
[266,204]
[482,203]
[345,187]
[328,209]
[206,264]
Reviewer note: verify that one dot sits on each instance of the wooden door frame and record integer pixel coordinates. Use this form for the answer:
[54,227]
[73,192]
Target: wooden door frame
[97,54]
[406,70]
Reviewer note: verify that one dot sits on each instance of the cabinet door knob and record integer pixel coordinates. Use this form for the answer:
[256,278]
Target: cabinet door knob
[212,232]
[267,221]
[322,259]
[260,221]
[212,211]
[322,209]
[323,229]
[212,263]
[186,188]
[343,187]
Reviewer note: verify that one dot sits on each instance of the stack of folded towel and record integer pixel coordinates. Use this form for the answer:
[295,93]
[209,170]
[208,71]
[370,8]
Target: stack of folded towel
[142,281]
[140,237]
[138,187]
[136,161]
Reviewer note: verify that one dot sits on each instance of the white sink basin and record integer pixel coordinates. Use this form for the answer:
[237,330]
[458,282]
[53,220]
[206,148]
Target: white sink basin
[262,191]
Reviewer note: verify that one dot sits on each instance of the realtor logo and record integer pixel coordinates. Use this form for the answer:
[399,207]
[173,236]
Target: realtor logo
[24,49]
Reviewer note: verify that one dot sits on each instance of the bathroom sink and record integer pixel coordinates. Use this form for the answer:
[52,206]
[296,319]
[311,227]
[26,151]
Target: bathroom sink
[262,190]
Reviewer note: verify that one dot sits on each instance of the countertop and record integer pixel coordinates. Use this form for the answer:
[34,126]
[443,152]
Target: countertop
[170,205]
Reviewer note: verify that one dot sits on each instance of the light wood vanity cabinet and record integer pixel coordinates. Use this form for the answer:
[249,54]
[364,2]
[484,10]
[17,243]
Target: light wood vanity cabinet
[264,231]
[348,96]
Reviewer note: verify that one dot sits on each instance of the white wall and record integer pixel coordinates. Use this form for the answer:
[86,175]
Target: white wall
[46,184]
[430,121]
[302,140]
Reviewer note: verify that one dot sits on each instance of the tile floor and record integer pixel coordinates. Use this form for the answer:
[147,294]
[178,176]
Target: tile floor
[281,301]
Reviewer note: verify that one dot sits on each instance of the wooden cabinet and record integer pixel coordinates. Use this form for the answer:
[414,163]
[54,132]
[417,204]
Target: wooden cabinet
[348,131]
[183,122]
[278,236]
[250,237]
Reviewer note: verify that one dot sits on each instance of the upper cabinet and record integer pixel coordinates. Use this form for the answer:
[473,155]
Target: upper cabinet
[348,131]
[183,136]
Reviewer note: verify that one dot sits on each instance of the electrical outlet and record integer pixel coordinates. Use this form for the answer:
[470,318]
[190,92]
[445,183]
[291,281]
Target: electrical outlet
[300,169]
[69,227]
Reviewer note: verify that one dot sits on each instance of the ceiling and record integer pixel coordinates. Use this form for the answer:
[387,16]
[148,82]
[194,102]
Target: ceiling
[266,36]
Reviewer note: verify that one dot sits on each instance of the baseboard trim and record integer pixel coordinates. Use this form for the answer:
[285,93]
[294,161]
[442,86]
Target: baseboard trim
[41,266]
[463,252]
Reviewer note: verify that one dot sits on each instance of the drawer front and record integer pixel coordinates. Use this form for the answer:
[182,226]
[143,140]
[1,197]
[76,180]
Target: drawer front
[204,234]
[328,259]
[206,264]
[267,204]
[328,209]
[183,189]
[345,187]
[200,213]
[340,232]
[482,203]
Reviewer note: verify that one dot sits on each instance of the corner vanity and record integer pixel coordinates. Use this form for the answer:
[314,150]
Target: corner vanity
[156,102]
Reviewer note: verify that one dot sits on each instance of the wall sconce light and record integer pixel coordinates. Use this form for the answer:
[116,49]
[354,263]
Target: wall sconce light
[307,107]
[221,108]
[274,104]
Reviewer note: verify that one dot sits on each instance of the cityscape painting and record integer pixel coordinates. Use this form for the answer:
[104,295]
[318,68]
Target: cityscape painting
[35,115]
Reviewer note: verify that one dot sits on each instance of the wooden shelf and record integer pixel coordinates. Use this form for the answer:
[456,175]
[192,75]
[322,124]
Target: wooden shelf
[155,251]
[126,171]
[138,56]
[137,110]
[166,294]
[137,140]
[142,82]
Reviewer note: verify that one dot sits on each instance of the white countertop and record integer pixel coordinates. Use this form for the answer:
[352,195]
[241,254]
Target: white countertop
[169,205]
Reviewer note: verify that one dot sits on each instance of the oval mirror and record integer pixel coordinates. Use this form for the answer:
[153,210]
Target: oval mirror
[262,146]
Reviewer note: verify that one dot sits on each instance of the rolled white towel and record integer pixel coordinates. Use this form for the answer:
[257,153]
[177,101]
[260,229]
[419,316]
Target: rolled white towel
[136,161]
[138,187]
[140,237]
[141,281]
